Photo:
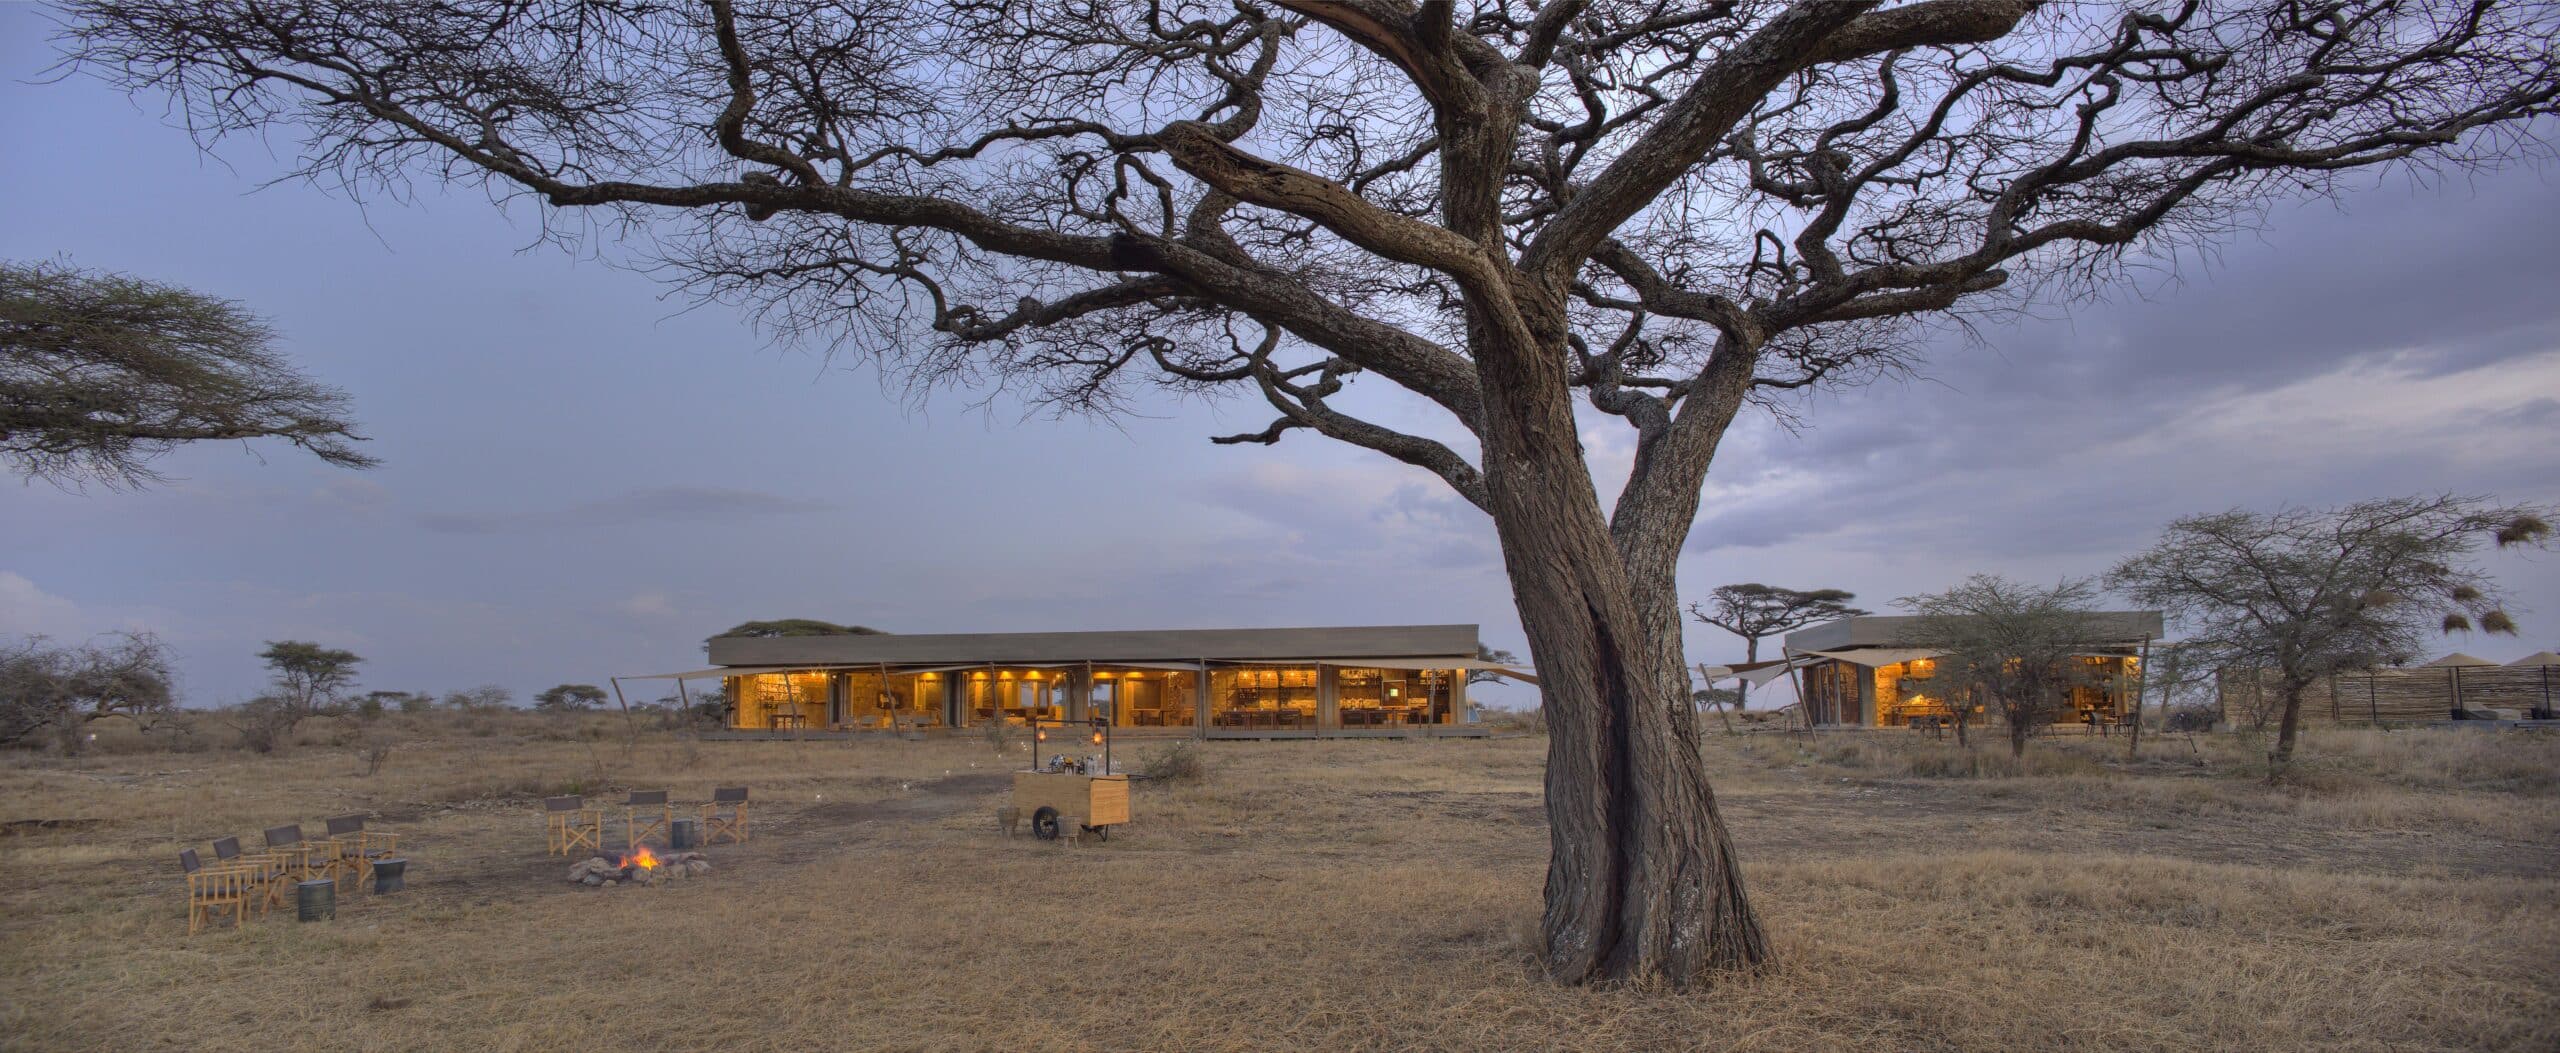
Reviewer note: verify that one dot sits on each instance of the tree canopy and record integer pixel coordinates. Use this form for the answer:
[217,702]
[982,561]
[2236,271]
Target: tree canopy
[49,689]
[100,374]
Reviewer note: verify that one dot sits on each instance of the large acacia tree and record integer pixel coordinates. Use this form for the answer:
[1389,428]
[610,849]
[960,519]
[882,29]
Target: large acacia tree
[1535,216]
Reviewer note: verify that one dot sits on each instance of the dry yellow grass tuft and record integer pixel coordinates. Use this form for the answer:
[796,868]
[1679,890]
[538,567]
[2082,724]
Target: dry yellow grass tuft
[1341,895]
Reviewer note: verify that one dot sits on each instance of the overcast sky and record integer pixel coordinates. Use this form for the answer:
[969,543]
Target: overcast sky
[584,478]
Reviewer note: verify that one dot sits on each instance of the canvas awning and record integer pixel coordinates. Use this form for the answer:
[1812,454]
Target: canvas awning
[1879,657]
[1755,674]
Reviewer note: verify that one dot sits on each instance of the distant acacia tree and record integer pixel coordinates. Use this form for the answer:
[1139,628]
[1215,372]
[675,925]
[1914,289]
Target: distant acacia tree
[2006,645]
[102,373]
[478,699]
[1665,213]
[1485,653]
[56,690]
[2307,592]
[569,698]
[307,678]
[404,701]
[1754,612]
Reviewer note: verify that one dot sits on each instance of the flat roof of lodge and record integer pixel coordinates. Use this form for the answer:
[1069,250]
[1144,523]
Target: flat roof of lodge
[1885,630]
[1136,645]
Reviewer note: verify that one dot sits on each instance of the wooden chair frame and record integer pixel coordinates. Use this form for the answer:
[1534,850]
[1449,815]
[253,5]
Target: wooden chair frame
[573,825]
[725,816]
[294,853]
[214,889]
[359,847]
[646,812]
[270,873]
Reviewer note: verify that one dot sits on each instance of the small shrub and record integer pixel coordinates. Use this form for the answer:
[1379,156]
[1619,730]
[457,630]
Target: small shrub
[373,754]
[1178,761]
[999,736]
[265,724]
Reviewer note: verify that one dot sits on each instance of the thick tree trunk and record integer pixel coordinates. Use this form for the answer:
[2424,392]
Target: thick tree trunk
[1641,879]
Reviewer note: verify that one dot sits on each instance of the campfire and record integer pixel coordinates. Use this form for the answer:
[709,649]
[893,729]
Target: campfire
[640,867]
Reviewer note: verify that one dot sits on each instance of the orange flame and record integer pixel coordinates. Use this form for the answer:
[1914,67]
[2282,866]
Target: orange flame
[641,857]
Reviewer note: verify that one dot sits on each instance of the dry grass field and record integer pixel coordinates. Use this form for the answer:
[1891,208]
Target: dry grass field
[2405,895]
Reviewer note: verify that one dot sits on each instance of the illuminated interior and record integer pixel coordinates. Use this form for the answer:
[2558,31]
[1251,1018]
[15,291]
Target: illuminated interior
[1237,697]
[1015,696]
[1263,697]
[1393,697]
[1146,698]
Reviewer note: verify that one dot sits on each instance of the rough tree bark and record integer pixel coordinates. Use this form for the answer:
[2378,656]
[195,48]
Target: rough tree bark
[1641,875]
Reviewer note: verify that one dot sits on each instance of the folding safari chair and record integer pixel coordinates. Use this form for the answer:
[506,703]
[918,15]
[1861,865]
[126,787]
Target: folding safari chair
[358,847]
[574,825]
[293,854]
[268,873]
[725,816]
[645,813]
[212,890]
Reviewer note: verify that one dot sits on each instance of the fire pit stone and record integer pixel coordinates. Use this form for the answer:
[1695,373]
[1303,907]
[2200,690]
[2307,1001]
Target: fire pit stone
[641,867]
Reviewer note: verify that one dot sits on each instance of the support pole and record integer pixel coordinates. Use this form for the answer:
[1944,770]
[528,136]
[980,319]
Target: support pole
[1795,676]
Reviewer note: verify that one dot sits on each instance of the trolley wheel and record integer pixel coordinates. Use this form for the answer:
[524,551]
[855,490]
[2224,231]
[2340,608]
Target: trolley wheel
[1044,823]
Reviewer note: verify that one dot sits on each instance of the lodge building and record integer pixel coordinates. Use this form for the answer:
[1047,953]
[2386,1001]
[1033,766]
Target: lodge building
[1860,671]
[1351,681]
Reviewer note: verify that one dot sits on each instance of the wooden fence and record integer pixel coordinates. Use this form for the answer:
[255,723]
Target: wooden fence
[2386,696]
